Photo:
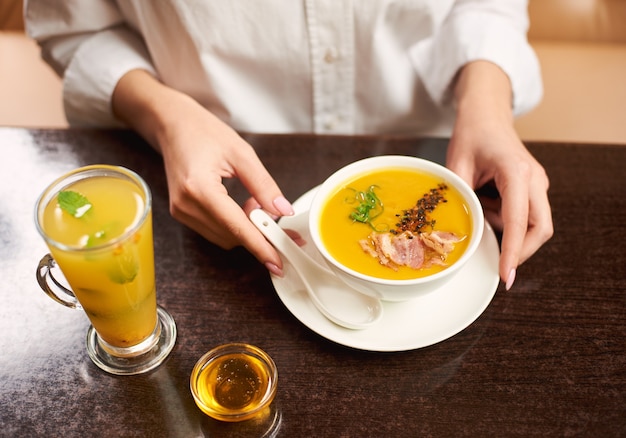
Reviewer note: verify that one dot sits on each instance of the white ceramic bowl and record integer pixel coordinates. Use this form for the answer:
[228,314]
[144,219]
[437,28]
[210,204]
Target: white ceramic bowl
[395,290]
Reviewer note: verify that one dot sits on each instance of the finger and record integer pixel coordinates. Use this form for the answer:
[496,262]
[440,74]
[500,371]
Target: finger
[540,225]
[464,171]
[514,213]
[252,204]
[247,235]
[255,177]
[221,221]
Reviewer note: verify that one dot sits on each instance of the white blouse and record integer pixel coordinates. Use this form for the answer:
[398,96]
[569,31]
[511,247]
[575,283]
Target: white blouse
[323,66]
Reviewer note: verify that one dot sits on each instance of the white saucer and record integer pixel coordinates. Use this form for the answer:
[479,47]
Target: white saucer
[407,325]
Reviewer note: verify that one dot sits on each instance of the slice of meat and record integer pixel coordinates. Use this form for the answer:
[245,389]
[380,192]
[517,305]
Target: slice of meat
[378,245]
[442,242]
[409,249]
[395,250]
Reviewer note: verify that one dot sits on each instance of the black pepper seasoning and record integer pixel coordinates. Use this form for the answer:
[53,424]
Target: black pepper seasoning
[417,218]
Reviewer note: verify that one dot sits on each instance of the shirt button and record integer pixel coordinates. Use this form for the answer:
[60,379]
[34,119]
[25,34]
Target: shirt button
[331,55]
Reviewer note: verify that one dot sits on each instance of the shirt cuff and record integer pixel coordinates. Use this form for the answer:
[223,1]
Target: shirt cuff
[94,71]
[472,37]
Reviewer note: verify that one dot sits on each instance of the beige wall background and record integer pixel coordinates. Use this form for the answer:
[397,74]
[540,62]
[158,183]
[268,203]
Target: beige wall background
[581,45]
[30,92]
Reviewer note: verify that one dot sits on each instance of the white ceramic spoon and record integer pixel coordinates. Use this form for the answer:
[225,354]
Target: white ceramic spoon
[336,300]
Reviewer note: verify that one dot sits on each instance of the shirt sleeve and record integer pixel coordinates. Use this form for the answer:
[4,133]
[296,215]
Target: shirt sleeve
[493,31]
[89,45]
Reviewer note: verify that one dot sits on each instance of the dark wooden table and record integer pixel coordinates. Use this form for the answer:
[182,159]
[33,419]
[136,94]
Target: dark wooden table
[547,358]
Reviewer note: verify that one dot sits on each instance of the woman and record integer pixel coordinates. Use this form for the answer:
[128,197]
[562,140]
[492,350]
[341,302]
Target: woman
[187,75]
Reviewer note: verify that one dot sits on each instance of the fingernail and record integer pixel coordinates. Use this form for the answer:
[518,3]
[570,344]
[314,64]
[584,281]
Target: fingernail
[510,279]
[274,269]
[283,206]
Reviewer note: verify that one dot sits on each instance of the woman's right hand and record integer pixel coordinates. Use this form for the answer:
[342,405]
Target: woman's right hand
[199,151]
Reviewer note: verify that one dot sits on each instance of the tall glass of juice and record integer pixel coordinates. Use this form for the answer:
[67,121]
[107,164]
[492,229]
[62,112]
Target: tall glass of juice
[97,224]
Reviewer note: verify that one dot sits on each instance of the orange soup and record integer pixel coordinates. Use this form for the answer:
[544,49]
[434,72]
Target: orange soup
[347,218]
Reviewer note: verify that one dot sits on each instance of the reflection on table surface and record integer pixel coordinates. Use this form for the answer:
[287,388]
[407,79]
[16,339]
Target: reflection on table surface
[546,358]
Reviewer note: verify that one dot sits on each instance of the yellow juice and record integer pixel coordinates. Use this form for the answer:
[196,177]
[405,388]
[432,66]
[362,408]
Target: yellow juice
[106,258]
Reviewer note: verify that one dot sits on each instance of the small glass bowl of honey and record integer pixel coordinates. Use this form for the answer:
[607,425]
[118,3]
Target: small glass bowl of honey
[234,382]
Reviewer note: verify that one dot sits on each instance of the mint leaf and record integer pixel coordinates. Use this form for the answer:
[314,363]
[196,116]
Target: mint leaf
[96,238]
[124,266]
[73,203]
[104,234]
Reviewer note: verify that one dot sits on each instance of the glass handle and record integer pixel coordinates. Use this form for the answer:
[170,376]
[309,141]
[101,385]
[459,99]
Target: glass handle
[51,286]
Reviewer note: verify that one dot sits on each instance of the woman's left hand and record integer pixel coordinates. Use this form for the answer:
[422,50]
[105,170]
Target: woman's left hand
[485,149]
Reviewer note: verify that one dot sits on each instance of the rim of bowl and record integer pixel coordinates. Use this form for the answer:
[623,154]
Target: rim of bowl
[397,161]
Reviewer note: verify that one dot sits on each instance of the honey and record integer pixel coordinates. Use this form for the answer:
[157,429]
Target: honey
[235,385]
